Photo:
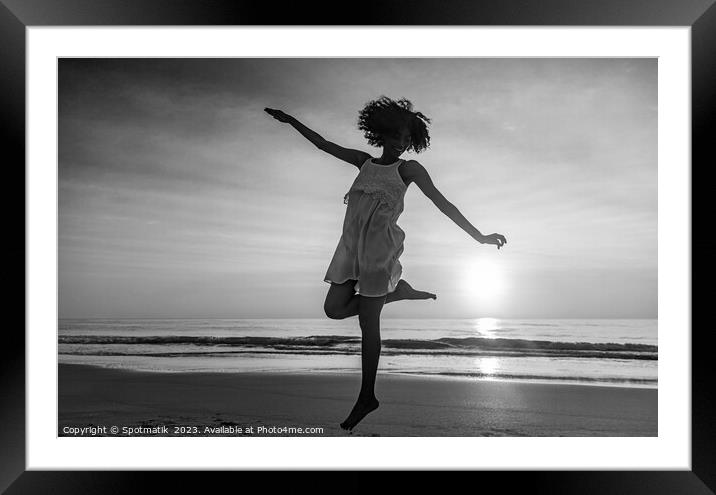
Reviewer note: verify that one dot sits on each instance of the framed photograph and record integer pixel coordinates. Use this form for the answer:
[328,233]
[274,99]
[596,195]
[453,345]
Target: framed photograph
[250,249]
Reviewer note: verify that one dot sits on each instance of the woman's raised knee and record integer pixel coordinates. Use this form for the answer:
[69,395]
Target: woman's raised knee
[333,311]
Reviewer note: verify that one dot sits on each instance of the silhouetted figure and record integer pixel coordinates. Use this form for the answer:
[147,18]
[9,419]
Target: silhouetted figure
[365,272]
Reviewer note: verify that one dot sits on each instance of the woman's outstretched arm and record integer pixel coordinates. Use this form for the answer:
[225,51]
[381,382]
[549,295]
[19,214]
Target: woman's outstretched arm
[416,173]
[355,157]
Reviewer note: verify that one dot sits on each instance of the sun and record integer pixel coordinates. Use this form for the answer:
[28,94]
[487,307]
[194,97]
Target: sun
[484,281]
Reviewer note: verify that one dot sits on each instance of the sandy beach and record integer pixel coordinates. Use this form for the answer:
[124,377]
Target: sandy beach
[410,405]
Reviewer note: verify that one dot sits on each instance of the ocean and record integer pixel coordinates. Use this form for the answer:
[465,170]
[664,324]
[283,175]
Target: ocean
[617,352]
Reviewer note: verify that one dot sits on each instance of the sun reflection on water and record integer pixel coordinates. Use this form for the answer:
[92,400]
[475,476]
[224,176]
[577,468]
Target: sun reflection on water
[488,365]
[486,327]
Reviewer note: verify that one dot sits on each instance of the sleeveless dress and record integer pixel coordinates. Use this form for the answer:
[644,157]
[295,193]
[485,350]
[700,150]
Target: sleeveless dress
[372,242]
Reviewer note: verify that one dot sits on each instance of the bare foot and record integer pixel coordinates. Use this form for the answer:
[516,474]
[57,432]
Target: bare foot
[360,411]
[404,291]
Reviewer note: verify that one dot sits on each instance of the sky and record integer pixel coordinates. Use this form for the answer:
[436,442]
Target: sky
[180,197]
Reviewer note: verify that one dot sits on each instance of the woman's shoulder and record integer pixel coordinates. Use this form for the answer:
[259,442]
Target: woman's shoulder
[364,157]
[410,170]
[411,167]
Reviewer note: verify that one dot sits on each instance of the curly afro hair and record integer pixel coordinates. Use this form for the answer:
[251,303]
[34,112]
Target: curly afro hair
[385,116]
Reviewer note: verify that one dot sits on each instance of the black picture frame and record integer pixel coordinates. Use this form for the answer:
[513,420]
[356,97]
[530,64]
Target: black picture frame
[700,15]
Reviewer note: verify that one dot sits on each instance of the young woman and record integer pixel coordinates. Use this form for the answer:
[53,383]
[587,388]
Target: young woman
[365,272]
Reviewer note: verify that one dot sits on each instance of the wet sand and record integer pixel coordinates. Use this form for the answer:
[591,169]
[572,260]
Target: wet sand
[409,405]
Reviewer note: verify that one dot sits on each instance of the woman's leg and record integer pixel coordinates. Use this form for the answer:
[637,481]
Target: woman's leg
[342,301]
[369,309]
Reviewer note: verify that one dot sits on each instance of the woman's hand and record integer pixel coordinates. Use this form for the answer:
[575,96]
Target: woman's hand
[497,239]
[278,115]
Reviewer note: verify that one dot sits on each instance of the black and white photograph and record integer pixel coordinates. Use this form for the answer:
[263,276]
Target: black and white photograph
[380,247]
